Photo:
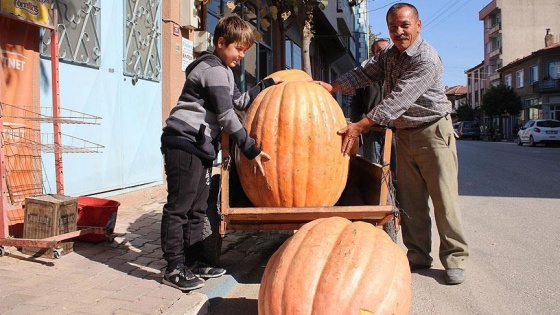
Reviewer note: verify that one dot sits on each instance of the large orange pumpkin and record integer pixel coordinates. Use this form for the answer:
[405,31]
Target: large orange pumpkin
[334,266]
[296,123]
[291,75]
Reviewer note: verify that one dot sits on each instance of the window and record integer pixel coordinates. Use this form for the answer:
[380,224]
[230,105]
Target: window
[548,123]
[143,39]
[257,63]
[534,74]
[554,70]
[507,80]
[555,112]
[78,31]
[293,55]
[519,79]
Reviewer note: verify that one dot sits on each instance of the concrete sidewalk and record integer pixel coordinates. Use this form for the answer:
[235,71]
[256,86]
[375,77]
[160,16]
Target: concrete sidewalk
[123,277]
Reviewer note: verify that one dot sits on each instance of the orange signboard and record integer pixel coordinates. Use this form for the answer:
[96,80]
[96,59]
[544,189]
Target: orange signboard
[33,10]
[19,73]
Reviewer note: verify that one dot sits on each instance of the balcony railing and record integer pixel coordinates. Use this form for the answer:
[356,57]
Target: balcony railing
[495,29]
[494,52]
[345,17]
[494,76]
[547,86]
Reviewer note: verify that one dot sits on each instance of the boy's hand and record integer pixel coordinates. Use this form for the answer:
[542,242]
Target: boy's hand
[277,80]
[257,162]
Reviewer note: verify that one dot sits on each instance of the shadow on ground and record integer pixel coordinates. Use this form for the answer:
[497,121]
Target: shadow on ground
[234,306]
[137,252]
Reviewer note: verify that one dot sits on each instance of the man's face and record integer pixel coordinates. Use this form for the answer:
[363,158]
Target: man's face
[378,47]
[404,27]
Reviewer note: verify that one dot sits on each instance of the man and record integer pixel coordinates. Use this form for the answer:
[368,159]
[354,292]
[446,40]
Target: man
[426,151]
[363,102]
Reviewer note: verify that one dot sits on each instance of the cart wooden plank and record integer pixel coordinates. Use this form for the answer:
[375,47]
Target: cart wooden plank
[372,180]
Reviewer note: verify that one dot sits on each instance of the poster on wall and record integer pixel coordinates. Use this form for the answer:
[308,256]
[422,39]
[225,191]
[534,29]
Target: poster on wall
[33,10]
[187,56]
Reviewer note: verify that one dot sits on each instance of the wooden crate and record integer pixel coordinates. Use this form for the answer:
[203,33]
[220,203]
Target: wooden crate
[46,216]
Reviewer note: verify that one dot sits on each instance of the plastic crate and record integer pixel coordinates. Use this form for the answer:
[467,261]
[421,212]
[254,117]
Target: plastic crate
[46,216]
[96,212]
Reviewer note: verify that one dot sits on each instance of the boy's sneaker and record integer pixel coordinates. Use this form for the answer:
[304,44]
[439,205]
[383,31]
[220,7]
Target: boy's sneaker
[203,270]
[182,278]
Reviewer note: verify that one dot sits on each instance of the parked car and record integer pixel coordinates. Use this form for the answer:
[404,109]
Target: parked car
[456,127]
[537,131]
[468,129]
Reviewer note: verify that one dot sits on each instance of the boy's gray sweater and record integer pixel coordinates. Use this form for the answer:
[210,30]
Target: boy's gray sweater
[206,107]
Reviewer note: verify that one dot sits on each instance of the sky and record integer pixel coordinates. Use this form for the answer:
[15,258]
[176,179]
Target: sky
[452,27]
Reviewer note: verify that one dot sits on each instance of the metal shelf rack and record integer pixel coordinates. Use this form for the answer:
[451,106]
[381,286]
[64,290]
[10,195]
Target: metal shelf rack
[25,142]
[65,116]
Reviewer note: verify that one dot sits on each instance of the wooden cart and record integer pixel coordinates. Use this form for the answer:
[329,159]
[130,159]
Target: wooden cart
[368,196]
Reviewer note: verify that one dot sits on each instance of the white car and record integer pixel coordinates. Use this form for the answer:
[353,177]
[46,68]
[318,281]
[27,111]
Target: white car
[539,131]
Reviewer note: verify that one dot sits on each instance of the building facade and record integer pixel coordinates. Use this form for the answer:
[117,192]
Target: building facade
[361,27]
[475,85]
[536,80]
[513,29]
[122,68]
[109,88]
[457,95]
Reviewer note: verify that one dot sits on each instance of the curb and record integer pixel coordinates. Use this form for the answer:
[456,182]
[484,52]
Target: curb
[218,287]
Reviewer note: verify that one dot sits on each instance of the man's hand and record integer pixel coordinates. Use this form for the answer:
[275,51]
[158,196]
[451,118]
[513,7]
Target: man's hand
[257,162]
[351,132]
[331,88]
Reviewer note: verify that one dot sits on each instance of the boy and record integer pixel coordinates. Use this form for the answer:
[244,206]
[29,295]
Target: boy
[189,144]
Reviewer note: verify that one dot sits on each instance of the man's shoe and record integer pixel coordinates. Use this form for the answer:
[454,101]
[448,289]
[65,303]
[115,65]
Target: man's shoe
[182,278]
[205,271]
[415,266]
[454,276]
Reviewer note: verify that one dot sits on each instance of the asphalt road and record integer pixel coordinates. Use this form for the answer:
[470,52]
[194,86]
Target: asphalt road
[510,200]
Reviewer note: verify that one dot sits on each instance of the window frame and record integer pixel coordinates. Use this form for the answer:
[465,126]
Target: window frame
[508,80]
[79,33]
[519,78]
[533,74]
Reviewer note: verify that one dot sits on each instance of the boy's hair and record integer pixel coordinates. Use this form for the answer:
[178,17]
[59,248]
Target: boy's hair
[234,30]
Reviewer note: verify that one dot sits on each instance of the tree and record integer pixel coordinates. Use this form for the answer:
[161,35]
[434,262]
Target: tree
[302,13]
[296,13]
[465,112]
[501,100]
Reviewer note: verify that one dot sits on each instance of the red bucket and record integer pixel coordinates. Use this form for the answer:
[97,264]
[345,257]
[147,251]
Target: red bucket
[96,212]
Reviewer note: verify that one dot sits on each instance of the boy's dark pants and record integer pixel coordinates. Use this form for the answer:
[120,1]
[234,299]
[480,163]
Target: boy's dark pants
[182,222]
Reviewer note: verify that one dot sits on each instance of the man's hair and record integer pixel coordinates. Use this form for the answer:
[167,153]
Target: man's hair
[398,6]
[377,40]
[234,30]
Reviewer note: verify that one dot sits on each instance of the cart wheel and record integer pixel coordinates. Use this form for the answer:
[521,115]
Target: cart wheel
[110,239]
[212,243]
[2,251]
[391,230]
[57,252]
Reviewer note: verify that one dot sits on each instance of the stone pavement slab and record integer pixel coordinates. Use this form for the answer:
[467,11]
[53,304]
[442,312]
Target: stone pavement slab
[124,277]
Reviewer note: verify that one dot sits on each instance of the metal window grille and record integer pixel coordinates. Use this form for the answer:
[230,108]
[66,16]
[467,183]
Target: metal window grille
[78,28]
[143,39]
